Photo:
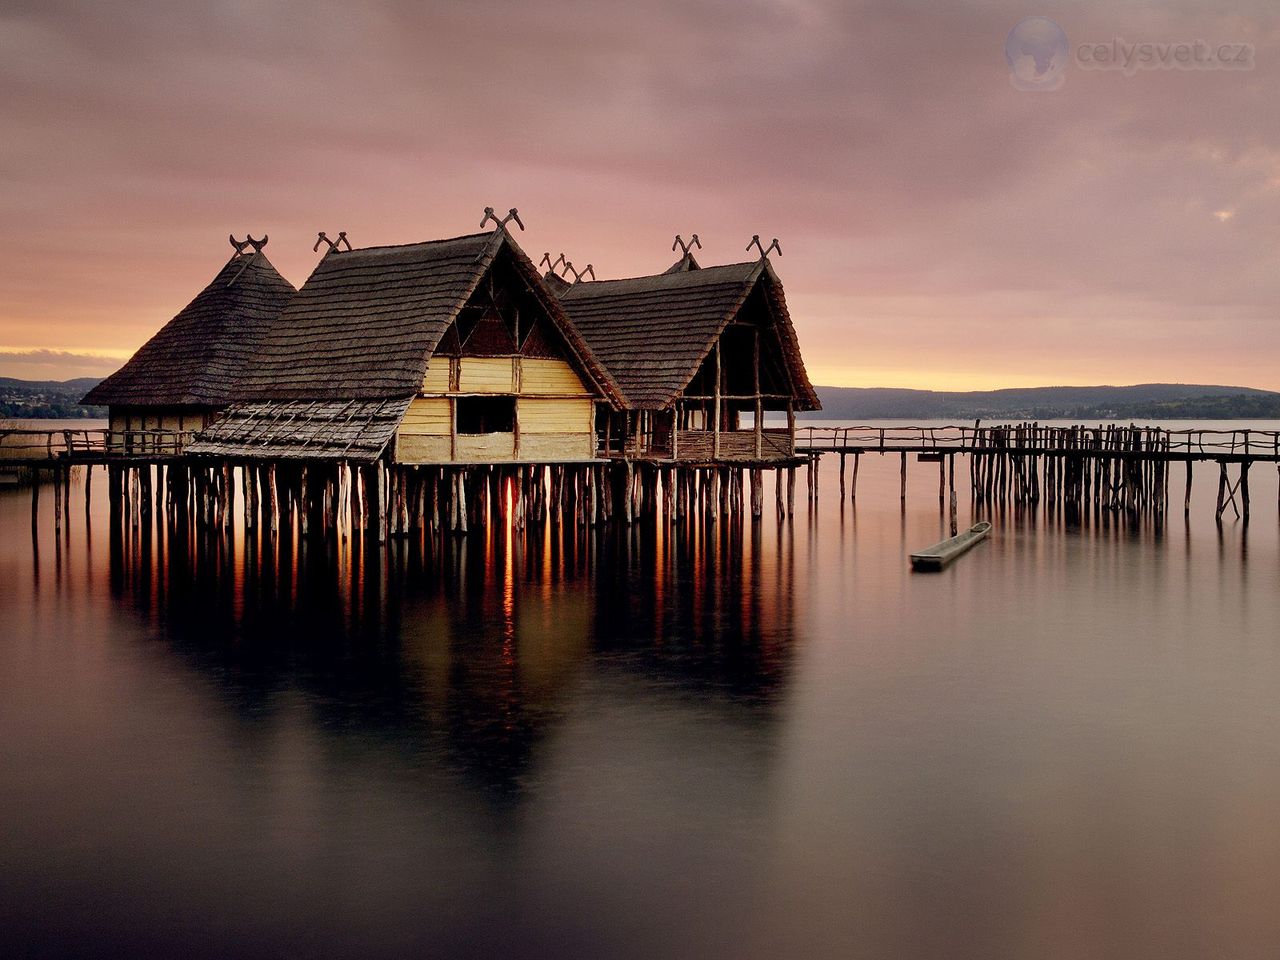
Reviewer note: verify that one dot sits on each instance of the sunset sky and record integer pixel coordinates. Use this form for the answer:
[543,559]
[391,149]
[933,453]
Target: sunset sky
[940,228]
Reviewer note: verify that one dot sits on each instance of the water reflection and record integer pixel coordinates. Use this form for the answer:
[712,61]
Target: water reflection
[477,639]
[725,740]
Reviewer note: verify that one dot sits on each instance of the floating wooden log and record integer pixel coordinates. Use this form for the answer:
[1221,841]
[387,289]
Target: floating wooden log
[941,554]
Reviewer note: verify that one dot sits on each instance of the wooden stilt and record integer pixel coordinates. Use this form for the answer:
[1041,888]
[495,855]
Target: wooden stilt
[35,501]
[57,501]
[1244,488]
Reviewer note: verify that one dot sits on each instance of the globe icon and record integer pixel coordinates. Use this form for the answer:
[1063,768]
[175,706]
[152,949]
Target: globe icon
[1036,50]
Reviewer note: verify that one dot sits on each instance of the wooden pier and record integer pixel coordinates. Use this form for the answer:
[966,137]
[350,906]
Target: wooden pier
[1110,466]
[148,477]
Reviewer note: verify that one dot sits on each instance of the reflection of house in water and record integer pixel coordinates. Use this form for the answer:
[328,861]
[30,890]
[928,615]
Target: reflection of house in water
[471,654]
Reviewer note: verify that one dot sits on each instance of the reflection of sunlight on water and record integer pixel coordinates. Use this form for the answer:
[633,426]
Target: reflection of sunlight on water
[757,740]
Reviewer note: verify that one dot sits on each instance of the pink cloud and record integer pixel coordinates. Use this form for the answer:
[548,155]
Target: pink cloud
[936,222]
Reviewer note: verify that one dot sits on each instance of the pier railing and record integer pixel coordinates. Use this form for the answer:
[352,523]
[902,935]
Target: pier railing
[30,446]
[1032,438]
[27,445]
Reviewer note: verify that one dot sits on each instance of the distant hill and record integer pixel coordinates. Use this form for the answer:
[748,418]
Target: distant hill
[40,399]
[1168,401]
[30,399]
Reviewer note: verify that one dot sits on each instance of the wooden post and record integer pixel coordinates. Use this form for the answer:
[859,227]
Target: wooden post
[229,488]
[35,499]
[903,482]
[1244,485]
[57,502]
[380,500]
[853,495]
[759,414]
[628,506]
[462,501]
[1186,500]
[273,500]
[715,436]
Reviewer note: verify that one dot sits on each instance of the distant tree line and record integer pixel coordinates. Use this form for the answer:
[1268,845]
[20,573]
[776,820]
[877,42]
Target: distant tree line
[50,410]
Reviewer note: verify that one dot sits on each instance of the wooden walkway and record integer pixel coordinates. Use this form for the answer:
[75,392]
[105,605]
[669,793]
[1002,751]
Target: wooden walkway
[1108,466]
[1030,438]
[46,449]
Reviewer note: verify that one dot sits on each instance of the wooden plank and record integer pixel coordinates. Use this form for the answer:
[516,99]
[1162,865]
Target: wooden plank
[554,416]
[550,378]
[485,375]
[437,376]
[428,416]
[485,447]
[417,448]
[557,447]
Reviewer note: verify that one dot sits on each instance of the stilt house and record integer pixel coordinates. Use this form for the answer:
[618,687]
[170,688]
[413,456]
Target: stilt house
[181,378]
[700,355]
[446,352]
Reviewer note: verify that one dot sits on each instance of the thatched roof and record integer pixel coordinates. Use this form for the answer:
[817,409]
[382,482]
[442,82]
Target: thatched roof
[198,357]
[356,430]
[652,333]
[367,320]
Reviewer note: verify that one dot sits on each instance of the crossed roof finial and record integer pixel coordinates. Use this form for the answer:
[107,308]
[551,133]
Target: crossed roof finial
[686,247]
[764,251]
[568,268]
[335,246]
[552,265]
[512,214]
[248,241]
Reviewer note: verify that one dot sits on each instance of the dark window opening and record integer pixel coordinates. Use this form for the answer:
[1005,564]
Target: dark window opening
[486,415]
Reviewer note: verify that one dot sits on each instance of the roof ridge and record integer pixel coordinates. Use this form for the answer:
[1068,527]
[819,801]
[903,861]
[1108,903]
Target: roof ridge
[419,243]
[676,277]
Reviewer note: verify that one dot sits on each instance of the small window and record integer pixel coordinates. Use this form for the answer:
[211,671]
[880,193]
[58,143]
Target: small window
[486,415]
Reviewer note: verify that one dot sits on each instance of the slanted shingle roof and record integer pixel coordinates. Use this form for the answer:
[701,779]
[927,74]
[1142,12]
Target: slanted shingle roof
[197,358]
[367,320]
[652,333]
[356,430]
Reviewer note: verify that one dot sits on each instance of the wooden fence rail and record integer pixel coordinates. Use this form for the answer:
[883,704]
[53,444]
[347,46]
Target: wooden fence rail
[1033,438]
[29,447]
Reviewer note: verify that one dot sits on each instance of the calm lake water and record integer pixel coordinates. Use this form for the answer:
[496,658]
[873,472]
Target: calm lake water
[769,742]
